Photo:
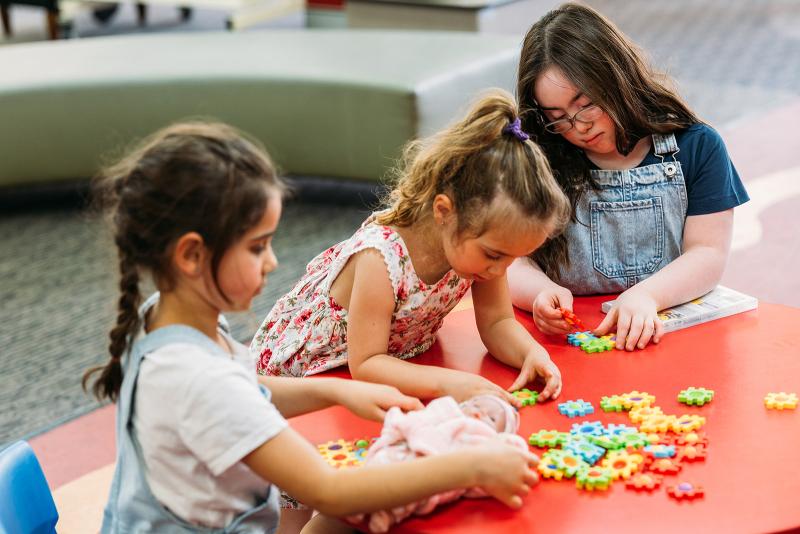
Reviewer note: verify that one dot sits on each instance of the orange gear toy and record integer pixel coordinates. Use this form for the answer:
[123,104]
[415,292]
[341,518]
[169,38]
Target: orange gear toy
[691,453]
[572,319]
[622,464]
[692,438]
[685,490]
[664,466]
[781,401]
[644,482]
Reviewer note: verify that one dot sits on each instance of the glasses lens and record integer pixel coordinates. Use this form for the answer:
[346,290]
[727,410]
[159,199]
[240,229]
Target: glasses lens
[559,126]
[589,114]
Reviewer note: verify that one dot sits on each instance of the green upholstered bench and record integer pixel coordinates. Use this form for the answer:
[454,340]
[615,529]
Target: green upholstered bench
[330,103]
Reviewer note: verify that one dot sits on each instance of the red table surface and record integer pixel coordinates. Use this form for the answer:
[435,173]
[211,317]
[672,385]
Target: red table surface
[751,475]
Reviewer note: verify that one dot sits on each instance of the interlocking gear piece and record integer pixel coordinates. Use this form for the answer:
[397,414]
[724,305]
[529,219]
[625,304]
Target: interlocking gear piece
[685,490]
[548,438]
[637,415]
[637,399]
[636,440]
[687,423]
[780,401]
[692,453]
[548,467]
[619,430]
[696,396]
[571,318]
[644,482]
[588,428]
[622,464]
[609,442]
[577,339]
[594,478]
[692,438]
[526,396]
[597,345]
[587,450]
[660,451]
[576,408]
[663,466]
[568,462]
[612,404]
[656,423]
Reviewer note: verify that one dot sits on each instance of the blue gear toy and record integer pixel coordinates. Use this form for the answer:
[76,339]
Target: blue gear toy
[576,408]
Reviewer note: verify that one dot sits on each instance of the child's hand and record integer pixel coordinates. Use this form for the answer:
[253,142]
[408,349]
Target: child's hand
[467,385]
[546,314]
[506,473]
[371,401]
[538,363]
[636,316]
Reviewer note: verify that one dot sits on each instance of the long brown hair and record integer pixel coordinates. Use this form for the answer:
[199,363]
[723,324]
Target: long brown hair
[189,177]
[473,161]
[614,74]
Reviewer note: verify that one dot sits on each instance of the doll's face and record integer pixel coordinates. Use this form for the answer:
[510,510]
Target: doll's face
[493,411]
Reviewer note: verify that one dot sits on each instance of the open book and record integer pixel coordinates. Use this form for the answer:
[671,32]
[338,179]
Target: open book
[719,302]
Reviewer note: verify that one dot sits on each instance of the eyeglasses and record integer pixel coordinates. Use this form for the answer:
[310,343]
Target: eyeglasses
[564,124]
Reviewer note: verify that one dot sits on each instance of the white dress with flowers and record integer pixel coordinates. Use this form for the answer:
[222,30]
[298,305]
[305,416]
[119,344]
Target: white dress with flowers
[306,331]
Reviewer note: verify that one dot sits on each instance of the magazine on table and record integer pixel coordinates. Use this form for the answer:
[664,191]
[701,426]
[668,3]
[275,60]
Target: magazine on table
[719,302]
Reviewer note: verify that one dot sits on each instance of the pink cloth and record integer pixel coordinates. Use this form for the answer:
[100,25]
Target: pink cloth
[443,426]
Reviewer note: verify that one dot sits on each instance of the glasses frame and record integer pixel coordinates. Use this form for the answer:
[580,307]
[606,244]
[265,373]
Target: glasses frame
[571,120]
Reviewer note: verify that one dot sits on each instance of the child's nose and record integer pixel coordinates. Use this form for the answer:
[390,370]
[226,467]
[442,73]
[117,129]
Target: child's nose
[270,262]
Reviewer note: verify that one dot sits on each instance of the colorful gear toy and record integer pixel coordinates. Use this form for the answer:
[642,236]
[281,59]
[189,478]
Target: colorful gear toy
[656,423]
[577,339]
[692,438]
[571,318]
[609,442]
[660,451]
[576,408]
[637,415]
[585,449]
[612,404]
[636,399]
[780,401]
[636,440]
[692,453]
[526,396]
[597,345]
[685,490]
[594,478]
[569,463]
[588,428]
[687,423]
[548,438]
[548,466]
[696,396]
[664,466]
[644,482]
[620,430]
[622,464]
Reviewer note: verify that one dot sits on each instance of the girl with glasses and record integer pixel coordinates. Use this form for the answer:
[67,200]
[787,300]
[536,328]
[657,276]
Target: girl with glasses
[651,186]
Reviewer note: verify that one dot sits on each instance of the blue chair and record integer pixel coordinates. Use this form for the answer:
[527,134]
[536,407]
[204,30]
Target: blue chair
[26,504]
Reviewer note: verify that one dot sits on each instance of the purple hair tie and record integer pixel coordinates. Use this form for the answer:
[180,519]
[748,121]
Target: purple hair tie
[515,129]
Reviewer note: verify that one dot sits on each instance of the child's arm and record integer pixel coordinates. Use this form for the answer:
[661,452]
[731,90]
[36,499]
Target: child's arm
[532,290]
[296,396]
[503,471]
[706,242]
[369,322]
[508,341]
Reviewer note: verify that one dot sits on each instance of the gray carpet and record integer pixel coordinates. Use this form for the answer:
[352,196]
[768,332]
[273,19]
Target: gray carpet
[732,59]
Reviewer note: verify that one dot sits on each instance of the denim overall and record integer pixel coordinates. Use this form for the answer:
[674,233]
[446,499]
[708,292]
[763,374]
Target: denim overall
[628,228]
[131,507]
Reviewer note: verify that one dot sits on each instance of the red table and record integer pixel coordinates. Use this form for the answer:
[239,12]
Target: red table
[751,475]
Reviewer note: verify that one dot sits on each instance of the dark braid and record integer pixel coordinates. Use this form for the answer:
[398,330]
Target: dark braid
[191,177]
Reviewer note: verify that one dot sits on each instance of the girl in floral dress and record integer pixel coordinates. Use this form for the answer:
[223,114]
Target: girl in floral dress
[468,201]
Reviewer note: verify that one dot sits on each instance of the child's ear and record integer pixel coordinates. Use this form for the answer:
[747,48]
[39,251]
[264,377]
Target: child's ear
[443,209]
[190,254]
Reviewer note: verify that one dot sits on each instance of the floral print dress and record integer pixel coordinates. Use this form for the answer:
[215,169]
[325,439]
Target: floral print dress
[306,331]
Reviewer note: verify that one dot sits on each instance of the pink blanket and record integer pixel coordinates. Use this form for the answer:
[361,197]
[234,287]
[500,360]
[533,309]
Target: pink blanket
[443,426]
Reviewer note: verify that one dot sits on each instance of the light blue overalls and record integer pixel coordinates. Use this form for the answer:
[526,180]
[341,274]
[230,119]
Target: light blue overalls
[131,507]
[630,227]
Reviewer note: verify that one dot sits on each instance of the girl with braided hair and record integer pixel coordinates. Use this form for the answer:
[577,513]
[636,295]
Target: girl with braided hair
[202,442]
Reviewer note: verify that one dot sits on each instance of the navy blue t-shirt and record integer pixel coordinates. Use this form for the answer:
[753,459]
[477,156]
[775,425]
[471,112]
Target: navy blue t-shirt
[712,183]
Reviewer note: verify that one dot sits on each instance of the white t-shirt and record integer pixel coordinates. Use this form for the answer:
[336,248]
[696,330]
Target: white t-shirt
[196,416]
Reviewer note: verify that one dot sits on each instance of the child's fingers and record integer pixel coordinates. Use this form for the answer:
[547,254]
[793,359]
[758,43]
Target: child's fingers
[607,323]
[623,326]
[409,404]
[635,332]
[647,333]
[550,388]
[659,331]
[521,381]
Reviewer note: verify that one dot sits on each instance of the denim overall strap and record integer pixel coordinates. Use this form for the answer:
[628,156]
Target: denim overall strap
[132,507]
[630,226]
